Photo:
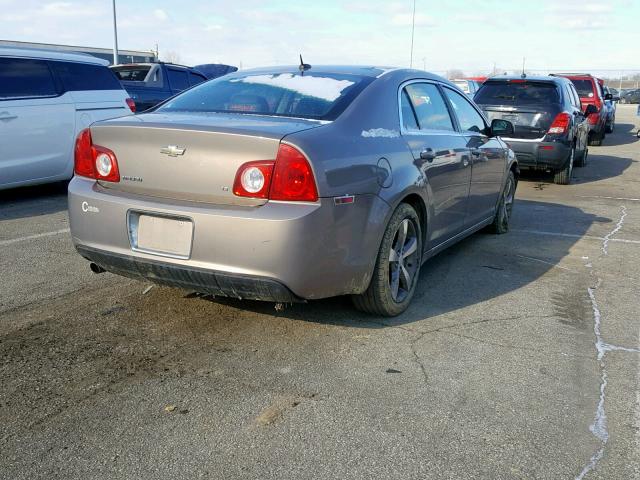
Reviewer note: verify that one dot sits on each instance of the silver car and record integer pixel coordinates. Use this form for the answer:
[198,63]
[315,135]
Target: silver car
[290,184]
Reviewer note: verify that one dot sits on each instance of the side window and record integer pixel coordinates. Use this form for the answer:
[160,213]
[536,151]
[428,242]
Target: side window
[469,118]
[178,79]
[576,97]
[196,78]
[431,111]
[24,78]
[83,76]
[409,121]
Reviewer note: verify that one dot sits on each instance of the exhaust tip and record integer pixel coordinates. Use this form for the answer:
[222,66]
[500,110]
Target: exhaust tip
[96,268]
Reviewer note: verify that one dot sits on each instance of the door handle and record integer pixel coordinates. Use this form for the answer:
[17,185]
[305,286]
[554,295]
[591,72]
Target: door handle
[428,154]
[7,116]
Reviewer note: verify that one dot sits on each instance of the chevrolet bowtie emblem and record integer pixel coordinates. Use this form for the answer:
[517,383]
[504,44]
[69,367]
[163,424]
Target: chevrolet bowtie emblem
[173,150]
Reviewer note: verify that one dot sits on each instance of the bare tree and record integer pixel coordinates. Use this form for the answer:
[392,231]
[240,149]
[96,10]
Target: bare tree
[171,57]
[455,73]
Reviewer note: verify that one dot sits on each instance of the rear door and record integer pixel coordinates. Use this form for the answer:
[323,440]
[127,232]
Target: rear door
[36,123]
[178,79]
[488,157]
[440,152]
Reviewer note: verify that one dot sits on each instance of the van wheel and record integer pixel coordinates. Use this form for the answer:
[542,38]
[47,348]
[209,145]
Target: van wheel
[500,223]
[397,267]
[596,140]
[563,177]
[581,161]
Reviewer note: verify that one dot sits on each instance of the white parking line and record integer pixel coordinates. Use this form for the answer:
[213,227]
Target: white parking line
[609,198]
[573,235]
[31,237]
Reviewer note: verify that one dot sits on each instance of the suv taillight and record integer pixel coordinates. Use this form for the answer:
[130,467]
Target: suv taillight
[560,123]
[94,161]
[288,178]
[132,104]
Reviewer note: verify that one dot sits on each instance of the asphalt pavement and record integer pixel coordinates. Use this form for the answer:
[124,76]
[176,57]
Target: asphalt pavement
[519,357]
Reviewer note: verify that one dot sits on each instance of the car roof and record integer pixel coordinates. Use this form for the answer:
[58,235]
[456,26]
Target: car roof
[574,76]
[371,71]
[42,54]
[519,78]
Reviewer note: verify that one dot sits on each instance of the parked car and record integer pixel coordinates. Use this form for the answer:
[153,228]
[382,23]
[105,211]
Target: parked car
[610,104]
[551,131]
[470,87]
[46,98]
[590,93]
[632,96]
[152,83]
[284,185]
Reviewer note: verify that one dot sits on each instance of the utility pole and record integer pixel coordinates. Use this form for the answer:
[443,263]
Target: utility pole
[115,35]
[413,29]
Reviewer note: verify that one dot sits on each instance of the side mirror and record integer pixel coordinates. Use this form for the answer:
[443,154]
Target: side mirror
[608,96]
[591,109]
[501,128]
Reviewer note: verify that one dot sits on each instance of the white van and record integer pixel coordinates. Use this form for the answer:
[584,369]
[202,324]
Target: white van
[46,99]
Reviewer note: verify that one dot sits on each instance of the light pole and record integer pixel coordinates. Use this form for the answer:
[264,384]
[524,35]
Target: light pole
[115,35]
[413,28]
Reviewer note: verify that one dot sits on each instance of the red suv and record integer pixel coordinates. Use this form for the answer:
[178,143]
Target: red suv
[590,93]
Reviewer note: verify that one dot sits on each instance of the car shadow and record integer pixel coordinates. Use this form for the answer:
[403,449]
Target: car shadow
[623,134]
[480,268]
[33,201]
[599,167]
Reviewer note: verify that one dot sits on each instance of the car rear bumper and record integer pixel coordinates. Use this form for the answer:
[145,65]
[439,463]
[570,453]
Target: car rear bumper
[539,154]
[279,251]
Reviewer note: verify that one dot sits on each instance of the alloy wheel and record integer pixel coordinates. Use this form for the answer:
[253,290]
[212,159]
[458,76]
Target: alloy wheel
[403,260]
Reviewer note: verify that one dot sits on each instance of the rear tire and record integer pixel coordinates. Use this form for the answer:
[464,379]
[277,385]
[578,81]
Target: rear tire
[611,126]
[397,267]
[596,140]
[582,160]
[563,177]
[500,223]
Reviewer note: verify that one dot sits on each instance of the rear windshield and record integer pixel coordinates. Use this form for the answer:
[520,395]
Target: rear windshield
[321,96]
[520,93]
[584,88]
[132,74]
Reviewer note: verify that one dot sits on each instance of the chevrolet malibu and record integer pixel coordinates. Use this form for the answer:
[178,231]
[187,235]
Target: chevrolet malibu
[294,183]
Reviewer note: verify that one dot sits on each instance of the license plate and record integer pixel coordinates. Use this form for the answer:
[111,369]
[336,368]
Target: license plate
[165,236]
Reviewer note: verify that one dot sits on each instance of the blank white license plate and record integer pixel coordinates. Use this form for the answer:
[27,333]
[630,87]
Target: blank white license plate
[162,235]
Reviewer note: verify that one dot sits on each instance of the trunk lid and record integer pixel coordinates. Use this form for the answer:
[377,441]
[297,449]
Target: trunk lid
[191,157]
[529,122]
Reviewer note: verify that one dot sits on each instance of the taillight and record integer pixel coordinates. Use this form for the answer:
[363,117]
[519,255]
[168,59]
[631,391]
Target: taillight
[253,179]
[292,177]
[132,104]
[560,123]
[94,161]
[288,178]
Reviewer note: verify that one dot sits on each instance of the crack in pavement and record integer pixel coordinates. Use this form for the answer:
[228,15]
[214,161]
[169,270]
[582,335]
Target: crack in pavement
[599,426]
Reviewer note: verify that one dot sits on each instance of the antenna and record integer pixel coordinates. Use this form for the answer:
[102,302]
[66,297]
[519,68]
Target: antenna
[303,67]
[524,75]
[413,29]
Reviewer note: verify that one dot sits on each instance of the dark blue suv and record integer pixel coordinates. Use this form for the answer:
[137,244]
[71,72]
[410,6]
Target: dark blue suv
[551,131]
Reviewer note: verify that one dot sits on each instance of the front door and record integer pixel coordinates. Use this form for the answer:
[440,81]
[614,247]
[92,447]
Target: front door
[440,152]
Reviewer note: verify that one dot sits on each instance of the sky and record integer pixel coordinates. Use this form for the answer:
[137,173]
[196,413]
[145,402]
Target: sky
[469,35]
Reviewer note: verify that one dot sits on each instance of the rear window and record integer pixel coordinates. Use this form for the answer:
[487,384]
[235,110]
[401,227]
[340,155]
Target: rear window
[83,76]
[23,78]
[517,93]
[132,74]
[321,96]
[584,88]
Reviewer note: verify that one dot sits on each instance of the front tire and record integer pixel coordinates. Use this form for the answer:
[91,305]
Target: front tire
[500,223]
[582,160]
[397,267]
[563,177]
